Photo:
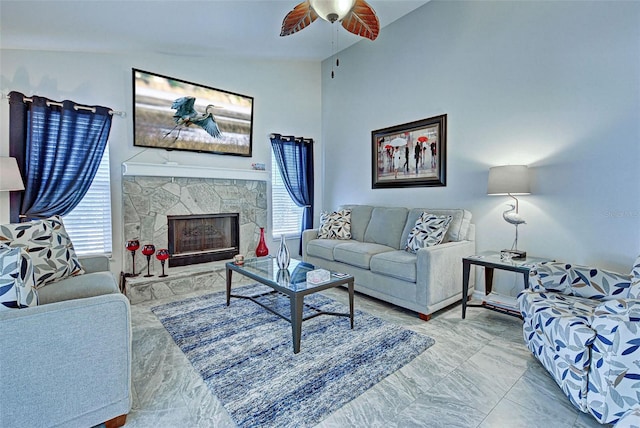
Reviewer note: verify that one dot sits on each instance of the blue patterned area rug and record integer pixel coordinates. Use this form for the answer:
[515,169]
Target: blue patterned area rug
[245,355]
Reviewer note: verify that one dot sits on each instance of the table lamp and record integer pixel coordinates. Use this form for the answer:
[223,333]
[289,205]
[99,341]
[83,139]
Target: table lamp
[510,180]
[10,178]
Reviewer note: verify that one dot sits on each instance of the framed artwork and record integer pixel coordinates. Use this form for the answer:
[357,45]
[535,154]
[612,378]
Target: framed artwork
[174,114]
[410,155]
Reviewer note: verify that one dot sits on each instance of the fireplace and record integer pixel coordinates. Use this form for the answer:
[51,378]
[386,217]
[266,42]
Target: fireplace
[203,238]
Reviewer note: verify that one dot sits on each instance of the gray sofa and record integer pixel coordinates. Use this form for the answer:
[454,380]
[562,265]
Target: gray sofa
[423,282]
[67,361]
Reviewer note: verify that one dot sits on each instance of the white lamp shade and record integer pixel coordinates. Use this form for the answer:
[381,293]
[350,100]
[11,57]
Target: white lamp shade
[332,10]
[508,180]
[10,178]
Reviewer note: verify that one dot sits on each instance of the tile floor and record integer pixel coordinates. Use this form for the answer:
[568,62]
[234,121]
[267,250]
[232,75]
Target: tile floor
[478,374]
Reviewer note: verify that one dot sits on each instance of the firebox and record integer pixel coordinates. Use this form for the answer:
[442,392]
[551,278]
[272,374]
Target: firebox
[203,238]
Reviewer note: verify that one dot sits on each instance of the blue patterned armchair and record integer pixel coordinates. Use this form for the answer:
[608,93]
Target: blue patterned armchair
[583,324]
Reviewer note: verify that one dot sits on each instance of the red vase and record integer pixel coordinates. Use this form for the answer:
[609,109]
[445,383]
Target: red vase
[261,249]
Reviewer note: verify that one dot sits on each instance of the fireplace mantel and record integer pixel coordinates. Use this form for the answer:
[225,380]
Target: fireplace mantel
[192,171]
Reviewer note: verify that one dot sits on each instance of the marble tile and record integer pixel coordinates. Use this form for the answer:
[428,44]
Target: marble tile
[474,386]
[440,410]
[502,360]
[508,413]
[429,368]
[175,417]
[537,391]
[585,420]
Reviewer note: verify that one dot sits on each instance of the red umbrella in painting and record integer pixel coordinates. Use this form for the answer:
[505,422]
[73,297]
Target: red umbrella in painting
[423,139]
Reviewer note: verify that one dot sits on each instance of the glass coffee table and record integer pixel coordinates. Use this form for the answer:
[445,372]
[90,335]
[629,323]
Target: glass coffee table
[292,283]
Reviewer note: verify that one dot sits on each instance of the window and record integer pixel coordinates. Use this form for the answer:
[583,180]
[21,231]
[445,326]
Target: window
[286,215]
[89,224]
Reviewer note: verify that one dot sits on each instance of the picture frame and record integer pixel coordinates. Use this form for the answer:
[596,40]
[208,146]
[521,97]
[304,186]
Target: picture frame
[410,155]
[174,114]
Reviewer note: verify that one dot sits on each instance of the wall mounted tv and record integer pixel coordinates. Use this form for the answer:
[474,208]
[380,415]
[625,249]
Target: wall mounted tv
[174,114]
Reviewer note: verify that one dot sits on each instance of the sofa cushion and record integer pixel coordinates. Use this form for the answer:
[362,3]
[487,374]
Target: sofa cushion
[458,229]
[358,253]
[428,231]
[48,245]
[386,226]
[323,248]
[335,225]
[398,264]
[78,287]
[16,279]
[360,216]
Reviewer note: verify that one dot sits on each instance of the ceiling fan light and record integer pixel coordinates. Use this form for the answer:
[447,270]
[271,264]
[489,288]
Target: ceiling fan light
[332,10]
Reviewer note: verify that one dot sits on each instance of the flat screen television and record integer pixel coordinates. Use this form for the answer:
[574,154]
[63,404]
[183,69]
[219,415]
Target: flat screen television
[174,114]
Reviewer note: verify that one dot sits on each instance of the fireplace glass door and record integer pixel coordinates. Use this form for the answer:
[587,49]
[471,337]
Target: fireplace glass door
[202,238]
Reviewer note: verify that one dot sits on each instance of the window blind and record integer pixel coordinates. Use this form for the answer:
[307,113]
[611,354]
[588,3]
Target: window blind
[89,224]
[286,215]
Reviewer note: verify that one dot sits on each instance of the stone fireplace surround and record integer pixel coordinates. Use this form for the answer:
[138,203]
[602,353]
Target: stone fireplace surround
[149,199]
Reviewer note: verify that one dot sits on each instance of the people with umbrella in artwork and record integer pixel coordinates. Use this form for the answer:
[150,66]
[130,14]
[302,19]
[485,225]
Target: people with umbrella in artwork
[433,154]
[417,151]
[406,159]
[397,143]
[420,151]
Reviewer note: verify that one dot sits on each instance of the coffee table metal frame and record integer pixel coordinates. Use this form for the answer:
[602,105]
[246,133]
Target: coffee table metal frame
[265,271]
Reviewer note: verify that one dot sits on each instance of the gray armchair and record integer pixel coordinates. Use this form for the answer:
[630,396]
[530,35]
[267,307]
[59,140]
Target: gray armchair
[67,361]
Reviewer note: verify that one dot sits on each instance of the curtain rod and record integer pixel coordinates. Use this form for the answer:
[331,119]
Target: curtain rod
[306,140]
[76,106]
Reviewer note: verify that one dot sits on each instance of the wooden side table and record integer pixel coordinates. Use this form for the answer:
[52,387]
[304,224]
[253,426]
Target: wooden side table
[491,260]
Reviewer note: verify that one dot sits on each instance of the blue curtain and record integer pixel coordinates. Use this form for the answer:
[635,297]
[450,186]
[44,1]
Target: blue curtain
[294,157]
[58,148]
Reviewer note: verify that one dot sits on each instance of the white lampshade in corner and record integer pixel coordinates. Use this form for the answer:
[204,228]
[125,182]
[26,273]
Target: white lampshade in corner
[10,178]
[508,180]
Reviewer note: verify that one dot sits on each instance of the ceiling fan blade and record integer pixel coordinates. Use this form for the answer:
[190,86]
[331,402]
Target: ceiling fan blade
[301,16]
[362,21]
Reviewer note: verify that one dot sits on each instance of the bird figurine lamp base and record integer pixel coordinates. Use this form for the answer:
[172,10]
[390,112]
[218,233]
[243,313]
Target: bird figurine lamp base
[514,254]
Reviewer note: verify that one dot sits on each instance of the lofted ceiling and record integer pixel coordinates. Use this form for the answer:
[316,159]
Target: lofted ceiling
[243,28]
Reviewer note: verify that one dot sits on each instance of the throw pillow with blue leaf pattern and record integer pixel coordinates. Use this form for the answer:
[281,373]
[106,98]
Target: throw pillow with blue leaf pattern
[49,246]
[335,225]
[428,231]
[16,279]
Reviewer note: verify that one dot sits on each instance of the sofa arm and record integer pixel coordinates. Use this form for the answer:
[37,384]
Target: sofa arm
[94,263]
[70,359]
[307,235]
[614,371]
[580,281]
[439,271]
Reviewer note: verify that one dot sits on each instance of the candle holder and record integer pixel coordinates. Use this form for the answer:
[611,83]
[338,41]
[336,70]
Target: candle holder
[148,251]
[133,245]
[162,255]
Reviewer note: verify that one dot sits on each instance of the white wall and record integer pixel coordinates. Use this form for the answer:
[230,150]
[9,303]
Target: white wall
[554,85]
[286,100]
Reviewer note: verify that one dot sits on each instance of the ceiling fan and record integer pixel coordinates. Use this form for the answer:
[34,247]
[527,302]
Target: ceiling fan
[356,16]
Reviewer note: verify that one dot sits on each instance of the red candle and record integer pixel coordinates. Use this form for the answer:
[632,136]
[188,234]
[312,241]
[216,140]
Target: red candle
[162,254]
[148,249]
[133,245]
